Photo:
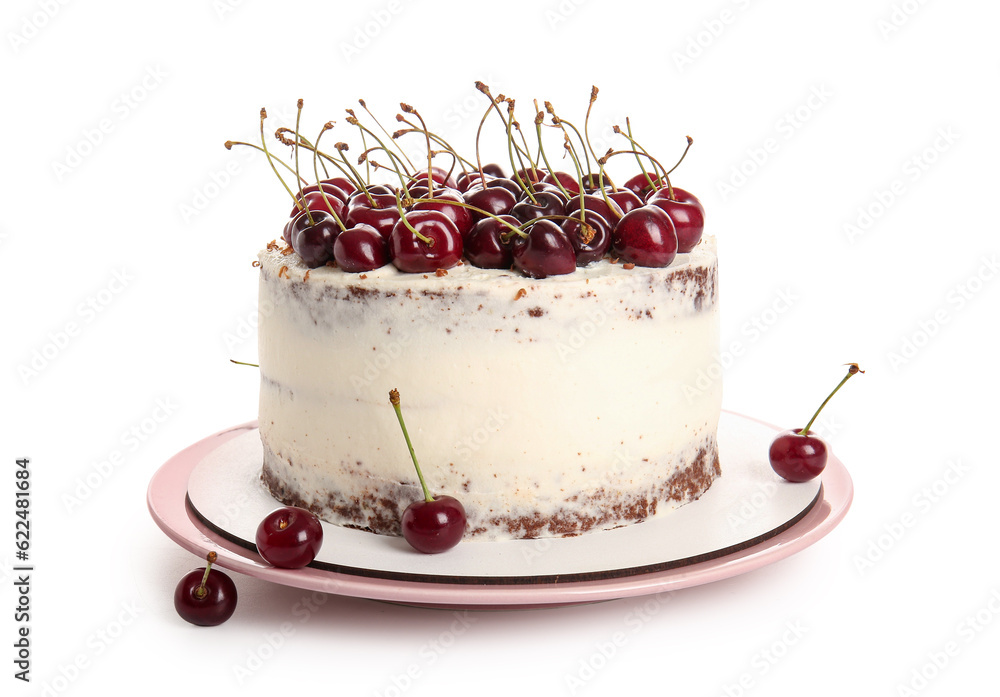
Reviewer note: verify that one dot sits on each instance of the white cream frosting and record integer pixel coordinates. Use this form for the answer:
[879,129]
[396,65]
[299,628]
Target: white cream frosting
[523,397]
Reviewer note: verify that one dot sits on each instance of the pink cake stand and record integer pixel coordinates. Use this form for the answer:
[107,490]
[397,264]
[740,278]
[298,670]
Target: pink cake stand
[170,509]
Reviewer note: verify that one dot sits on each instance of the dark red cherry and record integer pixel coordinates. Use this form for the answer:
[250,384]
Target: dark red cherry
[314,243]
[495,200]
[679,195]
[460,215]
[434,526]
[591,241]
[688,219]
[797,457]
[342,183]
[484,245]
[626,199]
[527,175]
[568,181]
[316,202]
[360,248]
[596,203]
[466,180]
[640,184]
[382,218]
[546,203]
[443,249]
[440,176]
[593,182]
[435,523]
[509,184]
[289,537]
[545,251]
[645,237]
[328,188]
[205,597]
[494,169]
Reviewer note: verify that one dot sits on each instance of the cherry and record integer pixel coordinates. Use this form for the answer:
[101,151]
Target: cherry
[544,251]
[205,599]
[530,175]
[382,218]
[639,184]
[484,245]
[548,203]
[495,199]
[591,241]
[682,196]
[342,183]
[568,181]
[494,169]
[435,524]
[289,537]
[460,215]
[798,455]
[688,219]
[596,203]
[425,241]
[314,242]
[440,176]
[626,199]
[315,201]
[645,236]
[328,188]
[360,248]
[509,184]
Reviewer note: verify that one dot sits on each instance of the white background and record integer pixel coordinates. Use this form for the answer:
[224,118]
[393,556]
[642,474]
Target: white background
[853,100]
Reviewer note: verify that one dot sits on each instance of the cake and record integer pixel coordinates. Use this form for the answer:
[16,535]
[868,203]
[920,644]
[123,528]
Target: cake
[550,407]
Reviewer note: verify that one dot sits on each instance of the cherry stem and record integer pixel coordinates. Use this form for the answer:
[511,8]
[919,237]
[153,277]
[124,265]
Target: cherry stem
[510,152]
[353,120]
[440,141]
[586,122]
[298,117]
[394,401]
[690,140]
[853,369]
[342,148]
[230,143]
[429,241]
[200,592]
[430,179]
[252,365]
[329,209]
[656,163]
[545,158]
[299,204]
[401,152]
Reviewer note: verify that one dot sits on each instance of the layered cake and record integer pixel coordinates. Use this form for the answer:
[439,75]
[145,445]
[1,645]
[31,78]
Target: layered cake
[549,407]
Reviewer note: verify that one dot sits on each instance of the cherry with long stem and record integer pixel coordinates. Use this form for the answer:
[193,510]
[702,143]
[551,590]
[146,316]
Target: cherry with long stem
[435,524]
[797,455]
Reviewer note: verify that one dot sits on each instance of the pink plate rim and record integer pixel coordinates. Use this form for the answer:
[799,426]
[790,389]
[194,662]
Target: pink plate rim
[166,498]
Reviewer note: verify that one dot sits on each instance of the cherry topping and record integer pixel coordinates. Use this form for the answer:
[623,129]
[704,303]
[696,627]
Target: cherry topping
[688,218]
[798,455]
[544,251]
[645,236]
[314,243]
[485,246]
[204,598]
[460,215]
[591,240]
[289,537]
[360,248]
[425,241]
[495,199]
[435,524]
